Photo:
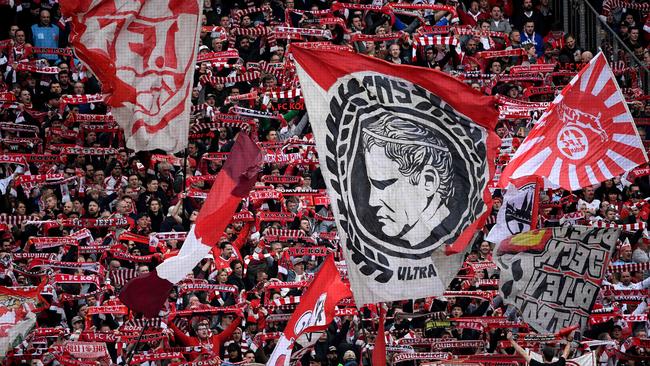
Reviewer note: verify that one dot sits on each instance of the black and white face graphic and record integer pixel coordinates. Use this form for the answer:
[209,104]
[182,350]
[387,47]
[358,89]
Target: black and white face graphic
[407,172]
[409,175]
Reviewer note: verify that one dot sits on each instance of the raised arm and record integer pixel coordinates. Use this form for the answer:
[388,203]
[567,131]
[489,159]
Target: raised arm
[227,333]
[180,335]
[567,347]
[518,348]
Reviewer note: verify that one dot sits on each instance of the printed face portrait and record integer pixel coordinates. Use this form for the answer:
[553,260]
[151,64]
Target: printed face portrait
[396,156]
[390,190]
[406,166]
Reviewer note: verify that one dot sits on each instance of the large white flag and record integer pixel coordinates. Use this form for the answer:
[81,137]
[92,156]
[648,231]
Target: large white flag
[407,155]
[144,53]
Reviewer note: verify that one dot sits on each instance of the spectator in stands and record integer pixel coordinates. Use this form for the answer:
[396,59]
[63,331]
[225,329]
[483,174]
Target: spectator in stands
[497,22]
[203,336]
[530,36]
[20,45]
[473,15]
[635,41]
[546,15]
[394,54]
[624,282]
[515,40]
[548,352]
[153,191]
[570,53]
[527,14]
[435,57]
[495,67]
[640,254]
[66,83]
[487,43]
[44,34]
[586,57]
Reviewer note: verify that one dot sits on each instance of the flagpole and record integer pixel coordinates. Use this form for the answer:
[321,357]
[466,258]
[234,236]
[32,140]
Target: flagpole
[184,186]
[132,352]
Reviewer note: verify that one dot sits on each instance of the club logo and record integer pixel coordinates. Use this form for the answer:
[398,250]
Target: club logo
[313,317]
[151,78]
[572,141]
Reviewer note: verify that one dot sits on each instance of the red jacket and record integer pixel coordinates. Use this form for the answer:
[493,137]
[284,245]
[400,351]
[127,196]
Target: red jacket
[216,340]
[467,18]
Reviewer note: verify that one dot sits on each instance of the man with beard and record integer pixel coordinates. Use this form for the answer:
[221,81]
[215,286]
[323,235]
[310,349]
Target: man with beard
[65,82]
[435,57]
[247,51]
[527,14]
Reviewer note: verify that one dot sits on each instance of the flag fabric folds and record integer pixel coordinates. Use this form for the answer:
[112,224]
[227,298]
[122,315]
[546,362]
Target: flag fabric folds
[585,137]
[315,311]
[17,314]
[553,275]
[144,53]
[519,210]
[147,293]
[407,155]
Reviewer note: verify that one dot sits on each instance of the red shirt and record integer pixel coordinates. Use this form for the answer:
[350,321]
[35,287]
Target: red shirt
[216,341]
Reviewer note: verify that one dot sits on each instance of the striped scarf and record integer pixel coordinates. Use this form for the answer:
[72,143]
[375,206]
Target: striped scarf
[421,41]
[214,80]
[119,277]
[630,267]
[610,5]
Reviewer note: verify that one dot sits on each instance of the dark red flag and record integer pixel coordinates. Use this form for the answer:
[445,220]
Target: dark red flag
[379,353]
[148,292]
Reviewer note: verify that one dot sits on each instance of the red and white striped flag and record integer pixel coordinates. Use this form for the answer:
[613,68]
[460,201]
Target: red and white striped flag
[147,293]
[585,137]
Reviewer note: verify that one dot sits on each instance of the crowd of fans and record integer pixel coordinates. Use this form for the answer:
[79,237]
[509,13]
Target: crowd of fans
[121,213]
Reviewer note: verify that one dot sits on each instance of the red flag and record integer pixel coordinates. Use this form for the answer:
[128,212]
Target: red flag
[17,308]
[585,137]
[379,353]
[144,53]
[148,292]
[566,331]
[315,311]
